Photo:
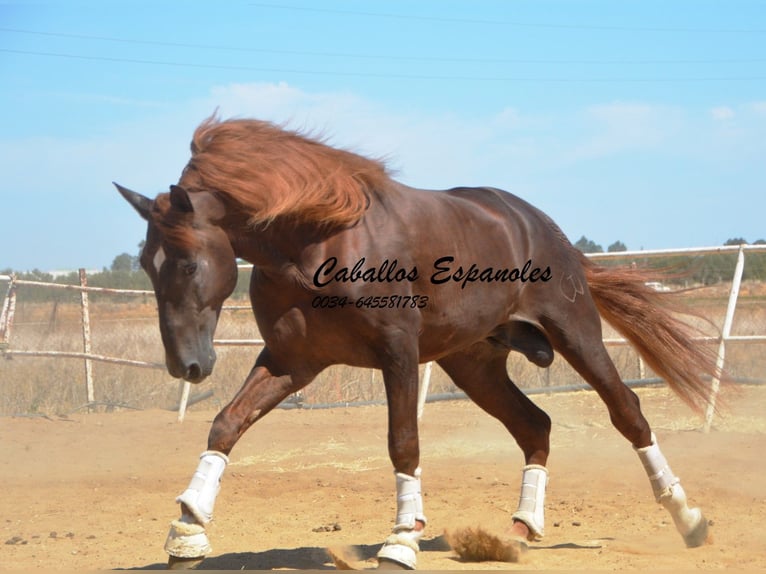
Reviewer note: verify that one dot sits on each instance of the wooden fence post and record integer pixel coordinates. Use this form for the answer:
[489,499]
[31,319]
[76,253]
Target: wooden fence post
[86,340]
[6,316]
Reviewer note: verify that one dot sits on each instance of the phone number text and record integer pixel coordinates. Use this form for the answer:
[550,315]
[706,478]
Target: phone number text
[370,302]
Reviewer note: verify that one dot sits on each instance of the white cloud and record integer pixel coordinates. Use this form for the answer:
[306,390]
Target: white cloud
[606,130]
[722,113]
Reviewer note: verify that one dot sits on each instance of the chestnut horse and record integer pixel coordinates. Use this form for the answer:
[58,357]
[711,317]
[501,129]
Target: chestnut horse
[353,267]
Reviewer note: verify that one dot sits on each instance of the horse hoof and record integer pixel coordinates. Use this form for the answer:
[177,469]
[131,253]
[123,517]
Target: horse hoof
[698,536]
[399,552]
[387,564]
[187,543]
[176,563]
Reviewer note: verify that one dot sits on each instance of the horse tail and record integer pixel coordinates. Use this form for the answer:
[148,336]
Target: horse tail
[648,319]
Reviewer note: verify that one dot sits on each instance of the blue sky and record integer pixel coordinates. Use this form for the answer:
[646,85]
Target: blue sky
[639,121]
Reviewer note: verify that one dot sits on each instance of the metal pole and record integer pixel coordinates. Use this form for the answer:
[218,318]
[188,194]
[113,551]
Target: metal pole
[727,322]
[185,388]
[423,394]
[86,340]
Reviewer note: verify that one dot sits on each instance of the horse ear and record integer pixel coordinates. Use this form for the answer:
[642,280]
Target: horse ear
[180,200]
[143,205]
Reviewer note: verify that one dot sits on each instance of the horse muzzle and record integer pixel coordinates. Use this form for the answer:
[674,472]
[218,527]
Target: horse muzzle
[193,370]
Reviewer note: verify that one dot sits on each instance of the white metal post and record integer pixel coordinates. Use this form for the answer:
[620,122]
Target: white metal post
[725,333]
[185,388]
[423,392]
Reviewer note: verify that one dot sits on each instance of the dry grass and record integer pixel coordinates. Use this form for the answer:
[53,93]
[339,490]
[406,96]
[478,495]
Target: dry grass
[32,385]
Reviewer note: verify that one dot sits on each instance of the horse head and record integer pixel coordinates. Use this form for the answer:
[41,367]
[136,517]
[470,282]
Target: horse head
[192,266]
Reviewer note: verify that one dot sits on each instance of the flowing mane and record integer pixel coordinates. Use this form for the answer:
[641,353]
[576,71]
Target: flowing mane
[271,172]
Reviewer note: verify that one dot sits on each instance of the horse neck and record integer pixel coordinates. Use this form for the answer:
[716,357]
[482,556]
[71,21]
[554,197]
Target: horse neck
[271,246]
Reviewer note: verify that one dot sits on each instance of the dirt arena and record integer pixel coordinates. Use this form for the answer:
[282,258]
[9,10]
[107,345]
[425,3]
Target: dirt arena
[94,492]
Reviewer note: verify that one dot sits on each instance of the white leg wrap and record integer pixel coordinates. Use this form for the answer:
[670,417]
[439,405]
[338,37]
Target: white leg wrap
[532,500]
[402,546]
[199,496]
[409,501]
[690,522]
[657,469]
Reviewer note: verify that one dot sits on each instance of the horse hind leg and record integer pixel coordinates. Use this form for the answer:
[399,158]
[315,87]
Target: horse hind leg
[481,372]
[584,349]
[690,522]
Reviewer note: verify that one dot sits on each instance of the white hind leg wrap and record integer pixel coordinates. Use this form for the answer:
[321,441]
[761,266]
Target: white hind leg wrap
[532,500]
[657,469]
[199,496]
[402,545]
[668,491]
[409,501]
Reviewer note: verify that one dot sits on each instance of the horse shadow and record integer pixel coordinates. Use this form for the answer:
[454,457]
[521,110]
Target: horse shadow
[317,558]
[304,558]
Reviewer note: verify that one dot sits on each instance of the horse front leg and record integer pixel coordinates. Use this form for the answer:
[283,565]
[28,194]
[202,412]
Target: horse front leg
[187,542]
[401,381]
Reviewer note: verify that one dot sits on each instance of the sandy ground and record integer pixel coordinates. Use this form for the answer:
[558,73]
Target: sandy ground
[97,491]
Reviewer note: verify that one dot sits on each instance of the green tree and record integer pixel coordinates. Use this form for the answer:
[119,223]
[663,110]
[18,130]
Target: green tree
[617,246]
[123,263]
[587,246]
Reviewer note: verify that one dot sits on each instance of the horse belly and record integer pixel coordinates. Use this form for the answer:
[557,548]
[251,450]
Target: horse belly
[457,329]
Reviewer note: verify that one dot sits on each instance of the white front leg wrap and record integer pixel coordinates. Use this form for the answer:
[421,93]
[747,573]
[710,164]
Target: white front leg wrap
[199,496]
[402,545]
[532,500]
[690,522]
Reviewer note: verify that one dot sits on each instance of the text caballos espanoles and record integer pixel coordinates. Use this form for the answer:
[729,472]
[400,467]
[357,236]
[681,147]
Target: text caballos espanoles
[443,271]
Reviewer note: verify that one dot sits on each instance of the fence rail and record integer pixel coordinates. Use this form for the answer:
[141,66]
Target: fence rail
[730,308]
[88,357]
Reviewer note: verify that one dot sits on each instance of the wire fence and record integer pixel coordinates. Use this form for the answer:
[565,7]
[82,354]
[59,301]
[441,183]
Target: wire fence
[63,357]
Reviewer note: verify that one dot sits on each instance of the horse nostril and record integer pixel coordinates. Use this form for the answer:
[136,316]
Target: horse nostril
[193,372]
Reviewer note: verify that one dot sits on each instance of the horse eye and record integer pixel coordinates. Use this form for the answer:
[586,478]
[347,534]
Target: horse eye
[190,268]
